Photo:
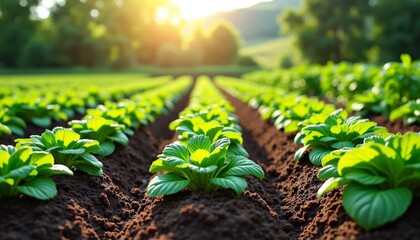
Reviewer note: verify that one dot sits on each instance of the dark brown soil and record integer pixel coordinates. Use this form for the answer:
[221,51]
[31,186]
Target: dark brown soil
[282,206]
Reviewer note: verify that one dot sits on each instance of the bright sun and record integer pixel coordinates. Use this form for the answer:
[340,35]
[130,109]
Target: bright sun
[194,9]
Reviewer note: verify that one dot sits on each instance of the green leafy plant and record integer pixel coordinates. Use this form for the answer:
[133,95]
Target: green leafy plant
[410,112]
[11,124]
[27,172]
[200,164]
[292,115]
[381,178]
[205,123]
[105,131]
[68,149]
[118,115]
[337,132]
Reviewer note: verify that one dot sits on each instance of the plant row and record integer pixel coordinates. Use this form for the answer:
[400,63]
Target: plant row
[208,154]
[364,88]
[380,170]
[42,106]
[26,167]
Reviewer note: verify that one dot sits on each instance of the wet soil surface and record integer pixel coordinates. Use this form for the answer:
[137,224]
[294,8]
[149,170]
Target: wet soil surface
[282,206]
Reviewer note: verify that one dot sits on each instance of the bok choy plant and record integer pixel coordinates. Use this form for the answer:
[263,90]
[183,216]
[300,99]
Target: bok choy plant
[200,164]
[105,131]
[338,132]
[24,171]
[380,177]
[68,149]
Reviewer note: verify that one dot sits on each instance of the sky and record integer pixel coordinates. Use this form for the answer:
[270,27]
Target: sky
[190,9]
[193,9]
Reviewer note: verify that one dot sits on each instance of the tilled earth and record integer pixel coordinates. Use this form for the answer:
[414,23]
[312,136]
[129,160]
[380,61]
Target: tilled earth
[282,206]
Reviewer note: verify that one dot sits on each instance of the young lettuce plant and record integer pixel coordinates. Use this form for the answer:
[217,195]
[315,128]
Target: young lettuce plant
[193,125]
[200,164]
[68,149]
[105,131]
[27,172]
[10,124]
[381,178]
[336,133]
[410,112]
[299,110]
[118,115]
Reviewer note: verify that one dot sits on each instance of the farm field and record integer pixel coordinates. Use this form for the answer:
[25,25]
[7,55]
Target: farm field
[221,124]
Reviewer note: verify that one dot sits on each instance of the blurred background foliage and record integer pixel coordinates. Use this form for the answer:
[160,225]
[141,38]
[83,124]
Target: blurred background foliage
[130,33]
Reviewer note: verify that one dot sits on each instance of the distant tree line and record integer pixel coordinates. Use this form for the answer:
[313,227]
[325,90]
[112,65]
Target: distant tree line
[107,34]
[356,30]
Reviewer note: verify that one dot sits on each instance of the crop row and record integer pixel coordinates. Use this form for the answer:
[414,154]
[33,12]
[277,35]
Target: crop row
[30,103]
[208,154]
[364,88]
[380,170]
[26,167]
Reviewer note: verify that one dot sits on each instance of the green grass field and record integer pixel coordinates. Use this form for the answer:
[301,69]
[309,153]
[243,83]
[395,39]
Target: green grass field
[269,52]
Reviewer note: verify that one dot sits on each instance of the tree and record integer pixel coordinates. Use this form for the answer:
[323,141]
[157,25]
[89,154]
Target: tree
[398,28]
[330,29]
[221,45]
[16,29]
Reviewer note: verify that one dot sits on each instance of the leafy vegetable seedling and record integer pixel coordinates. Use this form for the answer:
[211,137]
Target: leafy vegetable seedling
[381,178]
[68,149]
[26,171]
[337,132]
[200,164]
[105,131]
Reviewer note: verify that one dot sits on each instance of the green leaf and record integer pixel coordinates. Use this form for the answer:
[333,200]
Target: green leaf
[221,143]
[77,151]
[21,172]
[197,169]
[371,207]
[90,169]
[106,149]
[5,129]
[365,177]
[120,138]
[92,160]
[316,155]
[235,137]
[236,149]
[157,166]
[55,170]
[299,153]
[17,130]
[199,142]
[66,136]
[166,184]
[330,184]
[241,166]
[329,171]
[373,157]
[199,155]
[40,187]
[407,146]
[343,144]
[238,184]
[43,122]
[175,150]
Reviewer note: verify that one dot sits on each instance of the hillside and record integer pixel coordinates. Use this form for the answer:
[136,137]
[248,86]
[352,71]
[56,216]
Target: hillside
[256,23]
[269,53]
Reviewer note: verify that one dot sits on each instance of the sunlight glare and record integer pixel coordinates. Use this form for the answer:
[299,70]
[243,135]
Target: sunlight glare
[194,9]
